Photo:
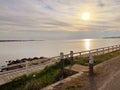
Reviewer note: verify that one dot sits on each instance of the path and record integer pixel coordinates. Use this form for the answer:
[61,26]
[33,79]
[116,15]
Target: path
[108,77]
[113,83]
[7,77]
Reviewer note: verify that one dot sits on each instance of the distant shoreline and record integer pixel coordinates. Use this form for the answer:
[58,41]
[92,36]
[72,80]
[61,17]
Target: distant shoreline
[111,37]
[44,40]
[18,40]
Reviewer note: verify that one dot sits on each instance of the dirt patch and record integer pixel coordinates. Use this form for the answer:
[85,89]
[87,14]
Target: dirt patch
[74,84]
[106,70]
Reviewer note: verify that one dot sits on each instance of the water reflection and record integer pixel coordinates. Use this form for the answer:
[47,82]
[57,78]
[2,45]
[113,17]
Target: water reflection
[87,44]
[19,50]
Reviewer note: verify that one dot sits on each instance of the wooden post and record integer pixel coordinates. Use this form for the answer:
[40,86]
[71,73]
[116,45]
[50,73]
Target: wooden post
[26,68]
[91,64]
[89,53]
[103,50]
[97,51]
[112,48]
[108,49]
[62,64]
[80,54]
[71,57]
[117,47]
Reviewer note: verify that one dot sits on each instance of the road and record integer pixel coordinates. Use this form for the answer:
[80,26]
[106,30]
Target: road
[8,76]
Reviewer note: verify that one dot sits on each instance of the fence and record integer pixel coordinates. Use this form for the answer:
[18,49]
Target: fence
[28,67]
[94,52]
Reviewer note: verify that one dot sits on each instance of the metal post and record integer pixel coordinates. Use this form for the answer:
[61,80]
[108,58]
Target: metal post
[71,57]
[91,64]
[62,64]
[27,68]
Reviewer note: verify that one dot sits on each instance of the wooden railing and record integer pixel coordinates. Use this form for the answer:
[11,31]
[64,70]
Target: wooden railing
[97,51]
[86,53]
[7,76]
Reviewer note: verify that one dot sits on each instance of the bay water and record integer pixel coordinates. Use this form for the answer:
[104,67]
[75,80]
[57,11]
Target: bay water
[30,49]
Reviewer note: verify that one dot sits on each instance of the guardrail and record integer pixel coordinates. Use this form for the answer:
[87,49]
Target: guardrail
[27,67]
[97,51]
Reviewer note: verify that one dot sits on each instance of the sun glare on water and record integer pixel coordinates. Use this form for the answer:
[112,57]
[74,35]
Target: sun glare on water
[86,16]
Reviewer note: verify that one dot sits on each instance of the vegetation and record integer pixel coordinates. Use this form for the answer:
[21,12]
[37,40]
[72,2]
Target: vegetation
[37,80]
[97,59]
[51,74]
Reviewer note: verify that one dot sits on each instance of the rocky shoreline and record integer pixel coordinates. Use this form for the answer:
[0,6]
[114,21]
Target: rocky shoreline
[12,62]
[15,64]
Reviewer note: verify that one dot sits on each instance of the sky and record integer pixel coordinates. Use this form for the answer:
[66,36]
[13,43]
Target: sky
[58,19]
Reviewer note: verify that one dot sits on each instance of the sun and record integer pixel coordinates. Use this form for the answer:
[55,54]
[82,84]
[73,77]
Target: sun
[86,16]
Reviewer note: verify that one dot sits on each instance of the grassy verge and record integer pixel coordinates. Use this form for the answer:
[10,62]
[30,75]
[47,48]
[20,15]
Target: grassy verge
[36,81]
[97,59]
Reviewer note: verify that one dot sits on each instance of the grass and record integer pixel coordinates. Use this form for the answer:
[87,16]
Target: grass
[37,80]
[97,59]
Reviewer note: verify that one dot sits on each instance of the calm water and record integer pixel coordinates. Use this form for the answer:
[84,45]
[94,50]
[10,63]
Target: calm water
[18,50]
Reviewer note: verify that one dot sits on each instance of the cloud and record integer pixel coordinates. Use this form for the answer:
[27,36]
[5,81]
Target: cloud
[57,15]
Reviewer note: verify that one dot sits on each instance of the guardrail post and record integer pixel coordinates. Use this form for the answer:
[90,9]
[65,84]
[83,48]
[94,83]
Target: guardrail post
[89,52]
[80,54]
[62,63]
[112,48]
[27,68]
[108,49]
[91,65]
[71,57]
[116,47]
[97,51]
[103,50]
